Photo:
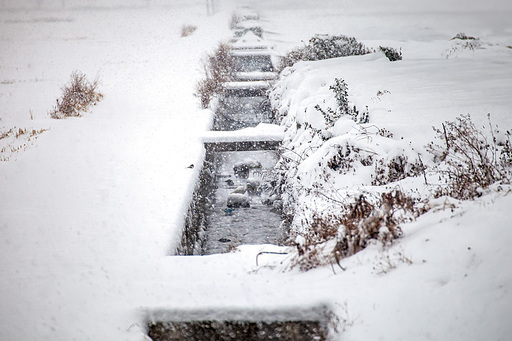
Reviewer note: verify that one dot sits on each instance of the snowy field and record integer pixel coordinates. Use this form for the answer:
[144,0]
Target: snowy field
[91,207]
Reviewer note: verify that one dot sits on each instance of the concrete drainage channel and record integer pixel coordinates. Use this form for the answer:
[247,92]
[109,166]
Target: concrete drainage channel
[234,204]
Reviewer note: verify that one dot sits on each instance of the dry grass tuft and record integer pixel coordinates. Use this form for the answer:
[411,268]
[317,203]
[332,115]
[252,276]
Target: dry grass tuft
[187,30]
[16,140]
[77,97]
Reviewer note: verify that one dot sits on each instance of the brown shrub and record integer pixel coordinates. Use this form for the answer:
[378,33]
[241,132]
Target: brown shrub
[187,30]
[77,96]
[333,237]
[218,68]
[468,161]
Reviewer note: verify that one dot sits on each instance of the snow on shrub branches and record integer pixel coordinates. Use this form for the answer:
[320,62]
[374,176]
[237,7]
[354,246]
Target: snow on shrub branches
[322,47]
[339,177]
[468,160]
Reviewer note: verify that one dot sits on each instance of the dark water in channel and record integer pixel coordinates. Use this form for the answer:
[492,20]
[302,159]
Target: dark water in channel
[257,224]
[236,112]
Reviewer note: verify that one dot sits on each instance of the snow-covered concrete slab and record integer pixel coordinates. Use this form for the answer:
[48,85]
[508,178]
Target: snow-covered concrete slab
[255,76]
[262,132]
[247,85]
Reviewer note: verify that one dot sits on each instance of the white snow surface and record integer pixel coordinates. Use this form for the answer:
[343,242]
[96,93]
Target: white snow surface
[91,210]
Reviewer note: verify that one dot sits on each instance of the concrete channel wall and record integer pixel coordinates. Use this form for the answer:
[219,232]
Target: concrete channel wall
[281,325]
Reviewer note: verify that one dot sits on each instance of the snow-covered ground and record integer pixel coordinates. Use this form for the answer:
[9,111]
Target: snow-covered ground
[90,210]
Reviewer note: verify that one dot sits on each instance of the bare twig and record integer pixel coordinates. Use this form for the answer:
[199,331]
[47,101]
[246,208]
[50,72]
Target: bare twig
[270,253]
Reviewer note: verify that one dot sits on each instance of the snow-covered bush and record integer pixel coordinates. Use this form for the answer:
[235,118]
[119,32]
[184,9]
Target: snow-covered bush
[392,54]
[340,90]
[218,68]
[77,97]
[463,36]
[327,46]
[345,155]
[296,55]
[334,236]
[322,47]
[468,159]
[343,183]
[336,192]
[396,169]
[462,43]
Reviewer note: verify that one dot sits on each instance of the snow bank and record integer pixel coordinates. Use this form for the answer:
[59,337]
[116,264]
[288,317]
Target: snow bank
[94,202]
